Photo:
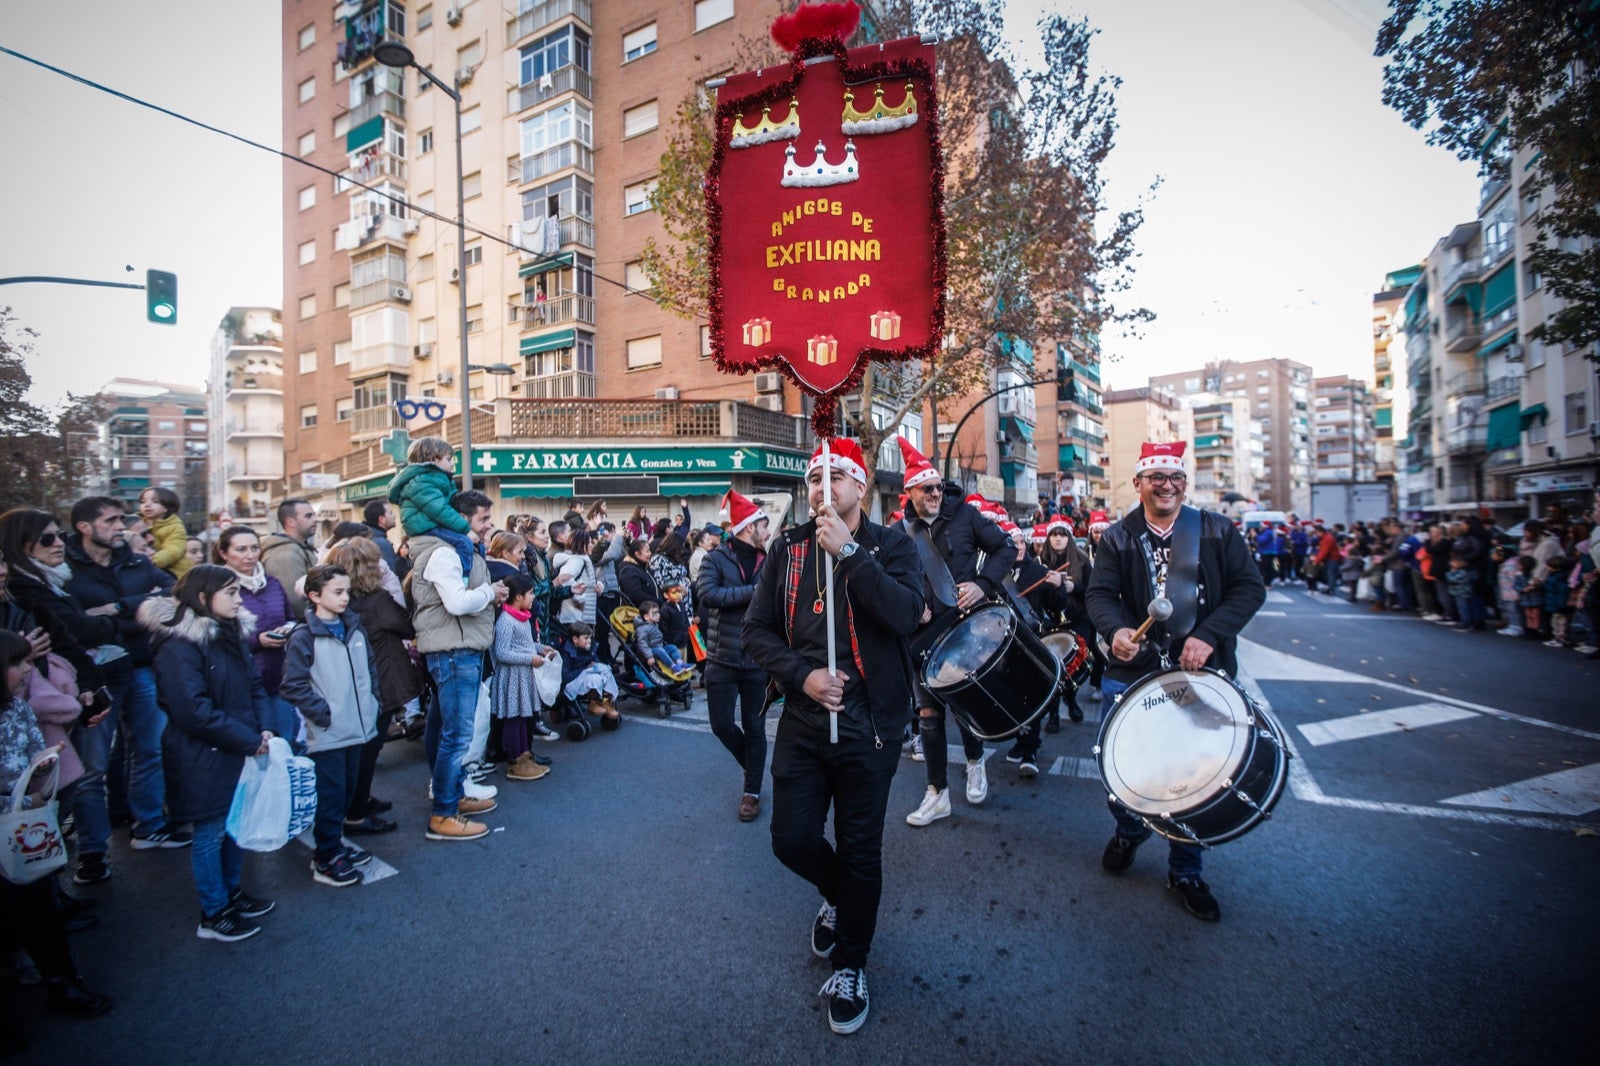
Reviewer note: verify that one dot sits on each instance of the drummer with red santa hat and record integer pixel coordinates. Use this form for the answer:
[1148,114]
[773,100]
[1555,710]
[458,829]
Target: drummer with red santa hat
[1198,561]
[877,583]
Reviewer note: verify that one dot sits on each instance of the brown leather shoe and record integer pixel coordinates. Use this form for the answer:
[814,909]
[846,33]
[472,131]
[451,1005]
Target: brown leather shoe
[749,808]
[525,769]
[454,827]
[472,806]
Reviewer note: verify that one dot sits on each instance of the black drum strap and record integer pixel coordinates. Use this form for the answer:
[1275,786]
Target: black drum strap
[1182,587]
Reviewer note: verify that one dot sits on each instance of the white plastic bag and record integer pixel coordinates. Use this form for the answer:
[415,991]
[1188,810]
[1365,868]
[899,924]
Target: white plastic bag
[276,798]
[1364,591]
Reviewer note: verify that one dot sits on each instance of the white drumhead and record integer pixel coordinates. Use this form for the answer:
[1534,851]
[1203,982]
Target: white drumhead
[1173,740]
[1063,644]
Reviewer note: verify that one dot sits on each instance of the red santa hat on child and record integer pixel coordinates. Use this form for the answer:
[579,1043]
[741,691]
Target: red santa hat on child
[1058,522]
[918,470]
[1039,535]
[843,454]
[1098,520]
[741,512]
[994,512]
[976,500]
[1009,528]
[1167,457]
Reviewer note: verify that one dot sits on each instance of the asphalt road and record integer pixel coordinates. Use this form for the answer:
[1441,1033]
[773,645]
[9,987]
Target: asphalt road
[1424,894]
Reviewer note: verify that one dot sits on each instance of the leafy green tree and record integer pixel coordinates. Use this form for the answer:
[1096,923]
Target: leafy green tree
[48,456]
[1034,253]
[1527,68]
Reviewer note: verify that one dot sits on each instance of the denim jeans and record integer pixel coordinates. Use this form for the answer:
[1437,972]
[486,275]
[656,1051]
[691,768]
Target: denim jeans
[285,722]
[337,771]
[217,861]
[746,740]
[449,733]
[143,723]
[853,776]
[1182,859]
[89,791]
[1468,611]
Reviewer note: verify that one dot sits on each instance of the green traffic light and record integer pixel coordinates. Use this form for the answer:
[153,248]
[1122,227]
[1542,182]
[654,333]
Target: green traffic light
[161,297]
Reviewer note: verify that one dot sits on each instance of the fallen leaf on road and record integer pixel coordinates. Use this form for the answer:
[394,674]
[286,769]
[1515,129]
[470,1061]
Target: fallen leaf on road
[1321,700]
[1584,831]
[1411,679]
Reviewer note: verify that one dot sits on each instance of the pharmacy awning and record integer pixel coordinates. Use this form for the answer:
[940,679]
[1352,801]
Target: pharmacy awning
[1505,427]
[548,342]
[545,264]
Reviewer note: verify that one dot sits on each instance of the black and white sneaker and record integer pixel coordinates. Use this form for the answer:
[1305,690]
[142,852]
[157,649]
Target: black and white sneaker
[544,732]
[248,906]
[1197,897]
[1015,754]
[847,999]
[92,869]
[1029,768]
[162,838]
[336,872]
[824,931]
[227,926]
[357,856]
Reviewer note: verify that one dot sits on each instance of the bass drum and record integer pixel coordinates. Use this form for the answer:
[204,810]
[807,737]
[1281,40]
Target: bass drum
[1191,755]
[992,673]
[1073,652]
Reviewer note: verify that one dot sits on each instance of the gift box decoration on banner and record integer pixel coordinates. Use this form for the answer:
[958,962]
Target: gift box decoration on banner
[824,206]
[758,331]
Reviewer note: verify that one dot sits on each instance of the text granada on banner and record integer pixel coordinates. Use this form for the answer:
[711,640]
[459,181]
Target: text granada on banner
[826,218]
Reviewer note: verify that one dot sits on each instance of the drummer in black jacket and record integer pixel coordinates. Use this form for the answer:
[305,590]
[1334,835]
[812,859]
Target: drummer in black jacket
[965,560]
[1121,587]
[877,601]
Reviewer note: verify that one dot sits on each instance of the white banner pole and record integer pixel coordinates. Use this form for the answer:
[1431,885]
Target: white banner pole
[822,559]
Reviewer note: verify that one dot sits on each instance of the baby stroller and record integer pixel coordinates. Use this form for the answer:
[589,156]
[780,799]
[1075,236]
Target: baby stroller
[647,684]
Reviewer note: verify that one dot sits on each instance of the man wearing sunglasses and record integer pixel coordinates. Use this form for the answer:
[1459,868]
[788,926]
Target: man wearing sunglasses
[1199,562]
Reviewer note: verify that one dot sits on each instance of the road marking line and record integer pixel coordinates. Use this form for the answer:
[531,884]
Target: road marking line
[376,870]
[1272,614]
[1378,723]
[1274,596]
[1570,792]
[1075,766]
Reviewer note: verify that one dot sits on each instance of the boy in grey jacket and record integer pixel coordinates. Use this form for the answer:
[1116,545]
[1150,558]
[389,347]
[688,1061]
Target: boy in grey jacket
[331,677]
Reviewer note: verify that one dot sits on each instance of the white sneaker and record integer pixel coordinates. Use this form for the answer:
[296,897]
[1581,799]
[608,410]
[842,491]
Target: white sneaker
[1430,617]
[471,789]
[1553,643]
[1510,631]
[916,749]
[1586,649]
[977,783]
[935,805]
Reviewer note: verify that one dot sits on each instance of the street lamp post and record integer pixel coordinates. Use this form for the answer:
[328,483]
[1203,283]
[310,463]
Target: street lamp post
[397,55]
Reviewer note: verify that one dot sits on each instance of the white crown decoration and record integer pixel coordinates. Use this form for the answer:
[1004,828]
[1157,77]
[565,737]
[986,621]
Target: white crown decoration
[766,130]
[879,118]
[820,171]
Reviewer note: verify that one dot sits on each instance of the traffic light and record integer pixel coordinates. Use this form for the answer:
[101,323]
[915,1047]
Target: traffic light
[161,297]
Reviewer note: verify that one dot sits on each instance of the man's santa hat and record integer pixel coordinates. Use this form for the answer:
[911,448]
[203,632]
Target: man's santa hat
[1009,528]
[1058,522]
[918,470]
[843,454]
[1153,457]
[976,500]
[994,512]
[1098,520]
[741,512]
[1039,535]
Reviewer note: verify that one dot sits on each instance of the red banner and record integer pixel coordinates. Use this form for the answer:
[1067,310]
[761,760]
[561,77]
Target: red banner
[826,217]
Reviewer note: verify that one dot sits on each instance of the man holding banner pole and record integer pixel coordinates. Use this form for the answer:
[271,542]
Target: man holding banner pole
[875,577]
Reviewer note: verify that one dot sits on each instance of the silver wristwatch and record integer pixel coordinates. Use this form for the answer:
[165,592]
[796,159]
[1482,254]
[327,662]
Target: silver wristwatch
[848,550]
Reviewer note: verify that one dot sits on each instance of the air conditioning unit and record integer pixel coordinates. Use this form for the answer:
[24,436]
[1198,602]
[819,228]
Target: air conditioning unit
[464,75]
[668,393]
[455,275]
[546,82]
[453,16]
[402,293]
[769,382]
[771,403]
[409,227]
[422,351]
[1594,428]
[445,377]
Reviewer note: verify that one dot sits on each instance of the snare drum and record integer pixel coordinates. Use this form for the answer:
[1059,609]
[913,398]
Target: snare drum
[1190,754]
[992,673]
[1073,652]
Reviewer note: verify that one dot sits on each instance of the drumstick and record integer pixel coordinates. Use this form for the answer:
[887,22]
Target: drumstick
[1042,580]
[1160,610]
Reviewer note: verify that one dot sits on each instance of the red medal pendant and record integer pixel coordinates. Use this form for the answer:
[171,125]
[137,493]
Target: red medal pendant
[816,608]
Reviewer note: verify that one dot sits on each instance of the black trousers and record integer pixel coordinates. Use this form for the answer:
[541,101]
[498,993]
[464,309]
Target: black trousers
[936,750]
[853,776]
[746,738]
[337,771]
[29,920]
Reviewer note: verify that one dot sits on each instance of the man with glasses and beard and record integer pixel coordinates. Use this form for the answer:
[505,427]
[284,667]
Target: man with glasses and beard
[1198,561]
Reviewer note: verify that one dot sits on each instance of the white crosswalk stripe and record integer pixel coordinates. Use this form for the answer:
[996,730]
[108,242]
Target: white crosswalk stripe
[1378,723]
[1570,792]
[1274,596]
[376,870]
[1074,766]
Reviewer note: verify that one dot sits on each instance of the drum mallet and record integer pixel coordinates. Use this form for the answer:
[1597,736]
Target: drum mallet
[1160,610]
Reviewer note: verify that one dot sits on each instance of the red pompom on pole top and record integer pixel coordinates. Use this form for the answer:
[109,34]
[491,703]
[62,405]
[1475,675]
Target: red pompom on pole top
[825,23]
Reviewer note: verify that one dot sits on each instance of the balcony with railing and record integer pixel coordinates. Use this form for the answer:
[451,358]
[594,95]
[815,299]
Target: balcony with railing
[1089,437]
[522,170]
[1504,387]
[1467,270]
[1466,440]
[238,382]
[363,32]
[382,102]
[251,427]
[536,17]
[372,165]
[1462,333]
[569,78]
[389,355]
[588,419]
[367,228]
[567,385]
[1467,383]
[366,421]
[564,309]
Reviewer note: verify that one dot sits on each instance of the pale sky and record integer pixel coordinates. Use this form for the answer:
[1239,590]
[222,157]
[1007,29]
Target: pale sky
[1289,189]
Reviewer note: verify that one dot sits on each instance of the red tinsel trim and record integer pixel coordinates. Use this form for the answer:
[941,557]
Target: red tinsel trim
[824,413]
[825,22]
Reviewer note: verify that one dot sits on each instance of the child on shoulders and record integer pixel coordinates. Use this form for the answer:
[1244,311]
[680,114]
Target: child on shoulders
[423,490]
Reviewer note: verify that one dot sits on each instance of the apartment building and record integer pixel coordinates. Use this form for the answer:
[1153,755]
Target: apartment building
[1279,392]
[1227,451]
[244,390]
[1072,428]
[157,434]
[1134,416]
[562,104]
[1344,430]
[1389,407]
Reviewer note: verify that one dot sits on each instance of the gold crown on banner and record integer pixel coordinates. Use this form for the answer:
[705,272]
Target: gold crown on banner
[819,171]
[766,130]
[880,118]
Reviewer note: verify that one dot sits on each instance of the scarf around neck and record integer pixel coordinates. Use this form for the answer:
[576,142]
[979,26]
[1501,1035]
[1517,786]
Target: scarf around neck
[57,576]
[255,581]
